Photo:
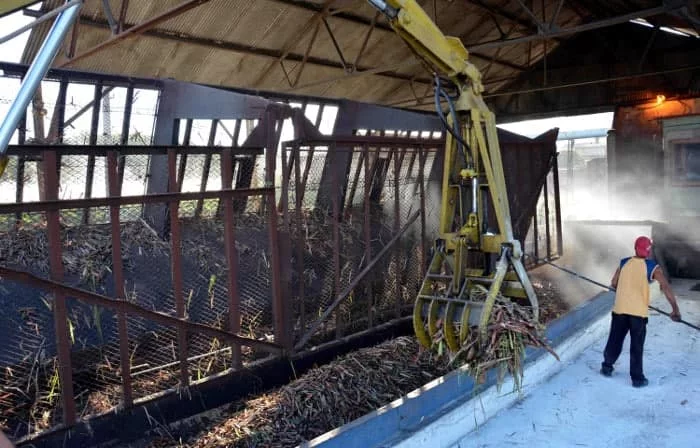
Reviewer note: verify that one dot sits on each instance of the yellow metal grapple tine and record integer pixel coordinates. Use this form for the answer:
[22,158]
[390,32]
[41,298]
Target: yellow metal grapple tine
[419,324]
[501,268]
[464,329]
[450,337]
[433,318]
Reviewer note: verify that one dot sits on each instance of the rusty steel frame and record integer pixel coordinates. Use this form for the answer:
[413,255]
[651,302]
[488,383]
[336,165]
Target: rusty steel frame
[176,263]
[234,317]
[131,308]
[52,206]
[547,223]
[124,139]
[299,241]
[535,235]
[94,124]
[367,231]
[335,44]
[122,15]
[36,150]
[368,160]
[50,164]
[335,200]
[118,269]
[398,161]
[137,30]
[285,344]
[557,207]
[207,167]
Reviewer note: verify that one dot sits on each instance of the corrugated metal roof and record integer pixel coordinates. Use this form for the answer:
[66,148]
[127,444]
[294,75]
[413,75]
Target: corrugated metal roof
[237,43]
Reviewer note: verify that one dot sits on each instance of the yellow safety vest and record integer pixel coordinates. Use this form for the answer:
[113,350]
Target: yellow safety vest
[632,294]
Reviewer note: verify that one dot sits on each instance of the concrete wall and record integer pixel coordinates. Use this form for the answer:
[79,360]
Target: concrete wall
[636,176]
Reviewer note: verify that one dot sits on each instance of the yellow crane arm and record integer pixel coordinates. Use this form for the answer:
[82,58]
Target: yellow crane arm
[472,166]
[445,55]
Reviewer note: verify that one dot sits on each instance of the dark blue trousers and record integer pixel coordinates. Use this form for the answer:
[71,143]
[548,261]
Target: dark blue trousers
[620,325]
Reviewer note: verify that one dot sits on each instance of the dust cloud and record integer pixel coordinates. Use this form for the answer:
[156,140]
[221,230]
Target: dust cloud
[593,247]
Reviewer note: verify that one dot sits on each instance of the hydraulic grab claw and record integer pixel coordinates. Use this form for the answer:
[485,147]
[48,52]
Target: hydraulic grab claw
[475,258]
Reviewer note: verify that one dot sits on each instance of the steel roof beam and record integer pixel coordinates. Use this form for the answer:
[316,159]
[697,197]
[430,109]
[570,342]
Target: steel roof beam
[136,30]
[384,27]
[250,50]
[572,30]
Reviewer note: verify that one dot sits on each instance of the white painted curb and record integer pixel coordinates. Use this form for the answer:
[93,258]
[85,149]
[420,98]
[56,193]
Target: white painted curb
[449,429]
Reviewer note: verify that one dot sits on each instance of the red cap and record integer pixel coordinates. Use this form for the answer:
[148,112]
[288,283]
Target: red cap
[642,247]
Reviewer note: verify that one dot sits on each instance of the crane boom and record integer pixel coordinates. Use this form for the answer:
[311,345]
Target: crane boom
[472,261]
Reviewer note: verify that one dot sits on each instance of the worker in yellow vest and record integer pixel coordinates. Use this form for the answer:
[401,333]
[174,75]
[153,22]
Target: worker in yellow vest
[631,311]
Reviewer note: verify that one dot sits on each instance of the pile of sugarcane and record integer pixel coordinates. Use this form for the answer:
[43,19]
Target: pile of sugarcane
[86,250]
[322,399]
[511,328]
[332,395]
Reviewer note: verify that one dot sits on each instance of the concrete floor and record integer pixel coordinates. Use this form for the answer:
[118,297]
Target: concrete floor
[579,407]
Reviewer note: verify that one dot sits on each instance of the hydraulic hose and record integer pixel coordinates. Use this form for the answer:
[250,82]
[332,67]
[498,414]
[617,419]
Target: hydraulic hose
[457,134]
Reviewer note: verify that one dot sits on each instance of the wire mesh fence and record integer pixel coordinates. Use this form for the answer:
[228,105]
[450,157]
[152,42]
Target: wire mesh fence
[366,217]
[31,397]
[353,216]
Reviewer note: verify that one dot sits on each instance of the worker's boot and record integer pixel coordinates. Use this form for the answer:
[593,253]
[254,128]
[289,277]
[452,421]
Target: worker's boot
[640,383]
[606,371]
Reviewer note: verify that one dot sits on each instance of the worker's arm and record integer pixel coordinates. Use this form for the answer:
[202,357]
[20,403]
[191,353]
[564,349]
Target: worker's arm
[613,282]
[5,442]
[659,276]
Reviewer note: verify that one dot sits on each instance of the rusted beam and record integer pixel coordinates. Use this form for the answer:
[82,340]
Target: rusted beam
[60,314]
[131,308]
[68,204]
[94,124]
[367,234]
[422,156]
[335,44]
[118,270]
[547,229]
[306,56]
[122,15]
[234,305]
[133,150]
[280,307]
[124,138]
[137,30]
[207,167]
[398,162]
[78,114]
[176,266]
[335,200]
[366,40]
[299,238]
[74,38]
[557,206]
